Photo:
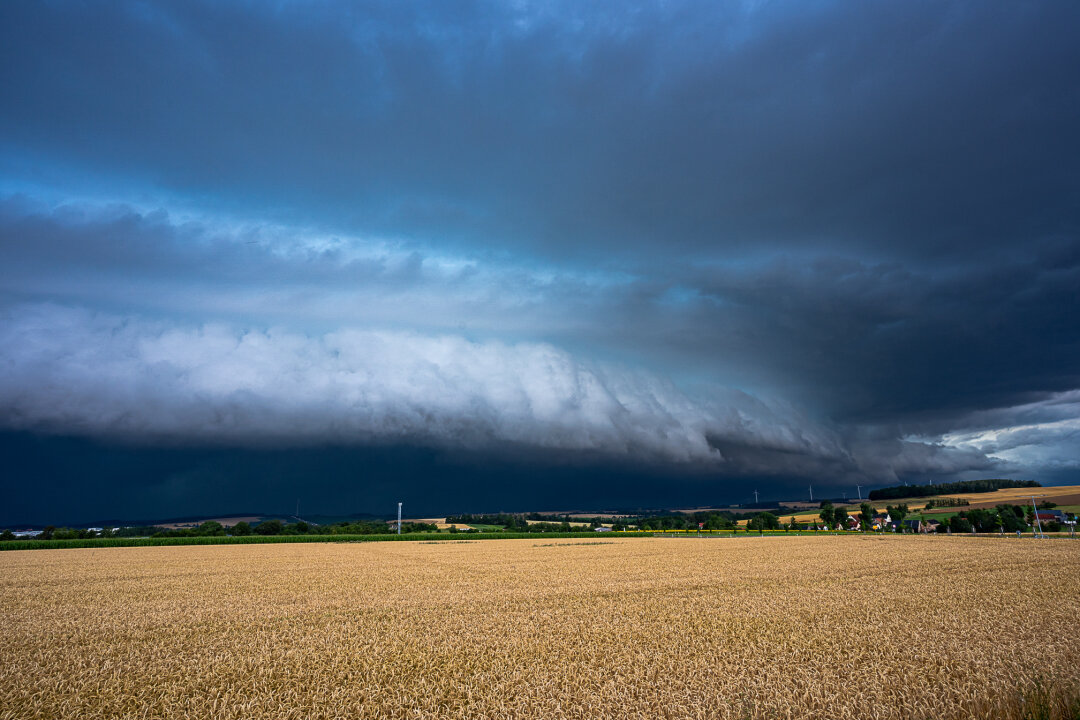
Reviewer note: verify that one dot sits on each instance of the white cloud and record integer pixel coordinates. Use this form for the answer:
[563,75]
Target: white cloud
[1045,444]
[88,372]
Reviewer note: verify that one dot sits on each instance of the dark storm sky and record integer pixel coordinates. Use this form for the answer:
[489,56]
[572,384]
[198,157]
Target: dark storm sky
[508,255]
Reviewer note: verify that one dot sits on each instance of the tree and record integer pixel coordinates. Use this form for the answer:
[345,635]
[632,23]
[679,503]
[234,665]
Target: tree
[768,521]
[1010,518]
[763,521]
[866,515]
[47,533]
[984,521]
[269,527]
[827,513]
[841,518]
[959,524]
[210,528]
[240,529]
[7,535]
[897,513]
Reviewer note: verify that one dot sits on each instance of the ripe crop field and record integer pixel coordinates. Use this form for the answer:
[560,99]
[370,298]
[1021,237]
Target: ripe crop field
[1064,495]
[814,627]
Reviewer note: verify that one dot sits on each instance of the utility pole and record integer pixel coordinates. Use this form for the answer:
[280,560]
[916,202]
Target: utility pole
[399,518]
[1038,522]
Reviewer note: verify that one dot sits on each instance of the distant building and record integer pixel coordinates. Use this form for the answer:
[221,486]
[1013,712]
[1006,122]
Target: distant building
[603,529]
[1050,515]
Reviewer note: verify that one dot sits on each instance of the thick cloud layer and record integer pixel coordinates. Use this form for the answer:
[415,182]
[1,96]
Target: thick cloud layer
[915,129]
[114,377]
[828,241]
[857,341]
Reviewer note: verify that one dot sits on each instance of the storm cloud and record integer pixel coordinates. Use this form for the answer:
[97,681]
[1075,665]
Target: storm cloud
[828,241]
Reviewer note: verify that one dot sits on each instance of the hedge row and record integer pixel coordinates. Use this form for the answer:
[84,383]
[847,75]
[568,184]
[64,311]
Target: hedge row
[254,539]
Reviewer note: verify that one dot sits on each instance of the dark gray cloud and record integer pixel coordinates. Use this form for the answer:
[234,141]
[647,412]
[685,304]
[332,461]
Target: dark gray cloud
[926,129]
[747,241]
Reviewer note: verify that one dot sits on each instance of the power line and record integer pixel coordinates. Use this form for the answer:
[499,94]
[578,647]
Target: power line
[1038,522]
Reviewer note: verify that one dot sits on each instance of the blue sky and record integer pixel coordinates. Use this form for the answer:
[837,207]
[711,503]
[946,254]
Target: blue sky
[615,247]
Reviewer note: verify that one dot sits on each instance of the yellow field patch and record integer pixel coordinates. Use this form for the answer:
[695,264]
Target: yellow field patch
[1011,496]
[792,627]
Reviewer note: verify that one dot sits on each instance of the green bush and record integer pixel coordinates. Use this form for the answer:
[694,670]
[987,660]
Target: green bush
[269,527]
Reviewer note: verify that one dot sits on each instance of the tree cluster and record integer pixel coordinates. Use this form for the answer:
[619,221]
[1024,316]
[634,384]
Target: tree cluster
[764,521]
[831,516]
[946,502]
[1003,518]
[710,520]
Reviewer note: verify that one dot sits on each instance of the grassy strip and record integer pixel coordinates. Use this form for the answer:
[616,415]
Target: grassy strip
[258,539]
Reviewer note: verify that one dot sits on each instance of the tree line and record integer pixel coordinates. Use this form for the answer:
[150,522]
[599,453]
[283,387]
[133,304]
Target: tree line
[963,486]
[212,528]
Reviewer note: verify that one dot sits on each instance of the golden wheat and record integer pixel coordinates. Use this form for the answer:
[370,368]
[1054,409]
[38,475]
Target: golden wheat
[815,627]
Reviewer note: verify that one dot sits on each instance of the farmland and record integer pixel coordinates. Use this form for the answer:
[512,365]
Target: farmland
[1066,496]
[838,627]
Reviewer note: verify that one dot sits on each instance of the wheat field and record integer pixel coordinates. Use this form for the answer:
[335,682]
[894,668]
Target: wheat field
[814,627]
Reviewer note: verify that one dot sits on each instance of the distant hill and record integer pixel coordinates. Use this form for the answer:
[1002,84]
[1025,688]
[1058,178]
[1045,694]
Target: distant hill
[953,488]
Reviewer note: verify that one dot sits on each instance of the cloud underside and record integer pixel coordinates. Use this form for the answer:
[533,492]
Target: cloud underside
[81,372]
[77,370]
